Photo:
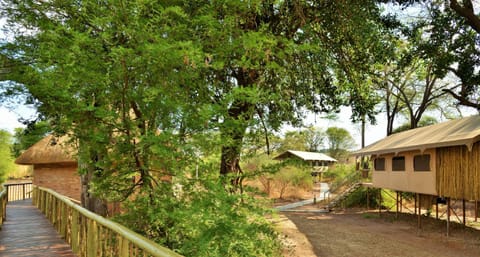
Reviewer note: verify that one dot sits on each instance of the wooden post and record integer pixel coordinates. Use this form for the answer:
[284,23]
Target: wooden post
[415,208]
[368,198]
[436,209]
[419,223]
[396,210]
[463,209]
[448,216]
[379,201]
[401,202]
[476,210]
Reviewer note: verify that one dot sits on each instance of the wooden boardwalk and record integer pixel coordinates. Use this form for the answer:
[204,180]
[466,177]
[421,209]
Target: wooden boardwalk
[27,233]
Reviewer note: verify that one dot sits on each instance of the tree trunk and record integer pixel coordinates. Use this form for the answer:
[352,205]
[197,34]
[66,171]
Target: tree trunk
[88,200]
[87,160]
[233,132]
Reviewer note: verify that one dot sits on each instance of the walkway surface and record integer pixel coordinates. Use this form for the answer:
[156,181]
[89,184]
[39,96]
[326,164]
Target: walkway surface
[324,193]
[27,233]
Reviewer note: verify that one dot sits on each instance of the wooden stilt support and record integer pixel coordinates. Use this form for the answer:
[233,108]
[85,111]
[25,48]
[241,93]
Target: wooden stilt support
[379,202]
[419,223]
[448,216]
[401,202]
[436,209]
[463,211]
[396,210]
[415,208]
[476,210]
[368,199]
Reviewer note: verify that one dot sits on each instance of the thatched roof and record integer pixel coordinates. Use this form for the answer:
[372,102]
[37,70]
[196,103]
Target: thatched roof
[49,150]
[458,132]
[306,156]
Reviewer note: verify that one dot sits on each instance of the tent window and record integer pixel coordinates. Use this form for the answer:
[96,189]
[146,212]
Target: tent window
[398,163]
[421,162]
[379,164]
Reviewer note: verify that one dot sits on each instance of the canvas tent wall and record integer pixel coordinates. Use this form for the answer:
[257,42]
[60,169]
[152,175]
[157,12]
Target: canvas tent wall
[454,154]
[54,166]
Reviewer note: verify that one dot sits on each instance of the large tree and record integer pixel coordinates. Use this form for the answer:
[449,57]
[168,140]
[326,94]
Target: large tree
[450,40]
[339,142]
[132,81]
[116,76]
[269,61]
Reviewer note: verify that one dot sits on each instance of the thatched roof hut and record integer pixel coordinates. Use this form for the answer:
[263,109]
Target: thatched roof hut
[54,165]
[49,150]
[441,159]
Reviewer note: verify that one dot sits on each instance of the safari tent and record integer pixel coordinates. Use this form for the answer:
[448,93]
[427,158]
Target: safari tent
[54,166]
[319,161]
[440,160]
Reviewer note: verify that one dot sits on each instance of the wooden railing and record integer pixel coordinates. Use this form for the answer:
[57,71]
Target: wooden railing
[19,191]
[3,205]
[91,235]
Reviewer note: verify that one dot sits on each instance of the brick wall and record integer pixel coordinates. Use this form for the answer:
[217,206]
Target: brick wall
[62,178]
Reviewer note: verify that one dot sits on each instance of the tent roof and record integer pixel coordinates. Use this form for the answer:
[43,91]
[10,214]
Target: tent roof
[465,131]
[306,156]
[48,150]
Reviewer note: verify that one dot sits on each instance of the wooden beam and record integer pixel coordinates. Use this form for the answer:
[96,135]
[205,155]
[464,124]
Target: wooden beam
[419,222]
[380,202]
[463,210]
[476,210]
[448,216]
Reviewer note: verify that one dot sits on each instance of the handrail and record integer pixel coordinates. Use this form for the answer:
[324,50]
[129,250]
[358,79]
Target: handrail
[19,191]
[3,205]
[90,234]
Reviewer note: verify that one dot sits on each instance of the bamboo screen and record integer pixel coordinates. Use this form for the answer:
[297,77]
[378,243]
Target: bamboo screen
[458,172]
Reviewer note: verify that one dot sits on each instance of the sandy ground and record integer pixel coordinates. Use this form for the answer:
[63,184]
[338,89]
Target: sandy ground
[357,233]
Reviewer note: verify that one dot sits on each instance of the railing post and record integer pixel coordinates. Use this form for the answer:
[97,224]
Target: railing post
[24,195]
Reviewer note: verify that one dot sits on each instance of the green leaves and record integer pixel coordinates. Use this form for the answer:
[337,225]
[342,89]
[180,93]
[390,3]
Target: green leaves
[201,219]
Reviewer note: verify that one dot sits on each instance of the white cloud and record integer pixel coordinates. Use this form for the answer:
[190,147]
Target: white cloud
[9,120]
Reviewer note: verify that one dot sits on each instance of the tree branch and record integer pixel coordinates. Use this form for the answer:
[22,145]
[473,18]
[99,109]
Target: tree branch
[466,11]
[462,100]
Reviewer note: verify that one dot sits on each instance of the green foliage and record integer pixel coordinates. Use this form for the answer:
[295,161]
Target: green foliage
[295,176]
[6,160]
[26,137]
[339,142]
[359,198]
[199,218]
[341,175]
[426,121]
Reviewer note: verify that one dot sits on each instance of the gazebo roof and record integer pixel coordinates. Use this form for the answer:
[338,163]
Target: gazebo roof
[465,131]
[49,150]
[306,156]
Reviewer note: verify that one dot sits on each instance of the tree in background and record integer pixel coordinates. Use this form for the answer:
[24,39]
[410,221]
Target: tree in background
[26,137]
[425,121]
[129,69]
[6,162]
[449,39]
[315,138]
[339,142]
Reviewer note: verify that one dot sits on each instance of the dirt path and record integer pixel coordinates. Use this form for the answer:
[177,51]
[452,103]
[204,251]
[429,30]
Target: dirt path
[367,234]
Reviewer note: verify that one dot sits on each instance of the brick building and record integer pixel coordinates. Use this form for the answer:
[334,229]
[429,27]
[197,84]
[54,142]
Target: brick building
[54,166]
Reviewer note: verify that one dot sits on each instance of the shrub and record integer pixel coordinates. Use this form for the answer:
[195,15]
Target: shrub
[292,176]
[203,220]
